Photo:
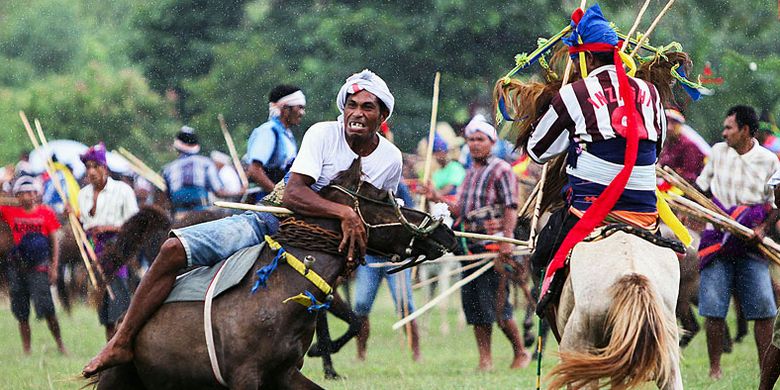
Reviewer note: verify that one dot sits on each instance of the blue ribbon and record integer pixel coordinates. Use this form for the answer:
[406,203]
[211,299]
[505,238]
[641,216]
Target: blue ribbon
[264,273]
[694,93]
[314,306]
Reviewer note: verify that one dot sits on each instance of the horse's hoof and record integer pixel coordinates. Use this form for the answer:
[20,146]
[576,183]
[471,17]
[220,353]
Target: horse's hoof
[332,375]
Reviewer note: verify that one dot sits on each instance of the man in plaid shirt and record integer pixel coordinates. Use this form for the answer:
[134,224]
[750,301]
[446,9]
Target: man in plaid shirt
[736,176]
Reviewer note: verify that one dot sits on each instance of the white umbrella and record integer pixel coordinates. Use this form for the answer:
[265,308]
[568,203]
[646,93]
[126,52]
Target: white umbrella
[66,151]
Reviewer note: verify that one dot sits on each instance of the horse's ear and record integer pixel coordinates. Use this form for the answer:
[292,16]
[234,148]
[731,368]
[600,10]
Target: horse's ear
[350,177]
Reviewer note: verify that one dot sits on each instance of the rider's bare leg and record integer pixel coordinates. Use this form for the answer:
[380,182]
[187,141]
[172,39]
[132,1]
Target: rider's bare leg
[155,286]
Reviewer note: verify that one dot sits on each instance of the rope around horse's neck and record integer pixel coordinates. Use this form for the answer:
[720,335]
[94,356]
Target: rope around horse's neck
[299,234]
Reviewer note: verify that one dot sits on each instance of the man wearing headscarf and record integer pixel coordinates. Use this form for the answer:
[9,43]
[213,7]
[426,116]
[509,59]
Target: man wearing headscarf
[191,177]
[327,149]
[272,148]
[612,136]
[105,204]
[487,203]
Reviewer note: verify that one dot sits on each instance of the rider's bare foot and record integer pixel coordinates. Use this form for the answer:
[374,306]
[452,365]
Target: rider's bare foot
[63,351]
[111,355]
[521,361]
[715,373]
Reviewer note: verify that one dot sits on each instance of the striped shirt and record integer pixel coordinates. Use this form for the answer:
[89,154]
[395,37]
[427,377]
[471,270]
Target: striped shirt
[191,170]
[582,112]
[580,122]
[490,185]
[739,179]
[116,203]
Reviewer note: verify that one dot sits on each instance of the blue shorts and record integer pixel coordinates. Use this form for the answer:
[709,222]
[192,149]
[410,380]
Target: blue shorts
[368,279]
[747,278]
[209,243]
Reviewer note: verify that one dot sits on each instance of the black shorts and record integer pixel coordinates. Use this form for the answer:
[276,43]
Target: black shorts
[26,285]
[550,239]
[110,311]
[480,298]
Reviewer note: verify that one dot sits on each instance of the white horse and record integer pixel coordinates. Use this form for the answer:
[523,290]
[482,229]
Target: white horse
[616,316]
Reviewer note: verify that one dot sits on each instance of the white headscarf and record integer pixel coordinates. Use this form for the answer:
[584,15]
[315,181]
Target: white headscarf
[369,81]
[479,123]
[26,184]
[296,98]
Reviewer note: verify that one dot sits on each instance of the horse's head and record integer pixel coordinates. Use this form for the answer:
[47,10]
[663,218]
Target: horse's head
[393,230]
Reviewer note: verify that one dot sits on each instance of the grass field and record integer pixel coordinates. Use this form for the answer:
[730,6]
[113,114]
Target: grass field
[448,361]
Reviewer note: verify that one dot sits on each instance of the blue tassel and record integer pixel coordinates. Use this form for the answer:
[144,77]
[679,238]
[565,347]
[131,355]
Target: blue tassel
[694,93]
[264,273]
[314,305]
[504,112]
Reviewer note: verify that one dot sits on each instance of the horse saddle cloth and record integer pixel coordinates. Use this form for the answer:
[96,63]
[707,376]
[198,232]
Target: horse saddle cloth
[192,286]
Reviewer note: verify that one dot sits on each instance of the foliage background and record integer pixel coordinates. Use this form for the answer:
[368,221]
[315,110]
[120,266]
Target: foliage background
[130,73]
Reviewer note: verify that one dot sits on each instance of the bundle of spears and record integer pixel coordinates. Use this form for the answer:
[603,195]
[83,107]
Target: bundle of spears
[698,206]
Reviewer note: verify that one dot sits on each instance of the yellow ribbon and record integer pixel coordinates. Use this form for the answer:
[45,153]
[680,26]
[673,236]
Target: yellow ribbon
[309,274]
[668,217]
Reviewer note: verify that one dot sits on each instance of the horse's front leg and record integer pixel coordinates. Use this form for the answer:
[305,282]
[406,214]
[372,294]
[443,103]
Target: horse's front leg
[294,380]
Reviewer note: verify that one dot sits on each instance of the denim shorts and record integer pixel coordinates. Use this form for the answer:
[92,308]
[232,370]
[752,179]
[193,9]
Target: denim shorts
[209,243]
[747,278]
[368,279]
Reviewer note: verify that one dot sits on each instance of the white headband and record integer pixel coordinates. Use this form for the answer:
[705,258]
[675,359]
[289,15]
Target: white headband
[479,124]
[25,184]
[296,98]
[369,81]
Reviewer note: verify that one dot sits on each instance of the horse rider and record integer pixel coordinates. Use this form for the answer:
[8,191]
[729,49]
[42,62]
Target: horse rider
[586,120]
[736,177]
[191,177]
[487,203]
[271,148]
[104,205]
[327,149]
[33,263]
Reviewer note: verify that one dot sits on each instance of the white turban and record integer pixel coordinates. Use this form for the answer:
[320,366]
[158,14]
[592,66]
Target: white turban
[369,81]
[479,123]
[296,98]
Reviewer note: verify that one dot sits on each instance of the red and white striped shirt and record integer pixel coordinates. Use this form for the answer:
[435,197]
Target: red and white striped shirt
[582,112]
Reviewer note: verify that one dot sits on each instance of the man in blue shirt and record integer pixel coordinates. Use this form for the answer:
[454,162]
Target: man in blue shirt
[272,148]
[191,177]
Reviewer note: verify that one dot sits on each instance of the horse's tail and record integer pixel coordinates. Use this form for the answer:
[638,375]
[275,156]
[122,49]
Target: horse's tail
[642,342]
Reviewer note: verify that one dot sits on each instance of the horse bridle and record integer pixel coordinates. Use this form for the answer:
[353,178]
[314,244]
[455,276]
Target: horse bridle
[426,227]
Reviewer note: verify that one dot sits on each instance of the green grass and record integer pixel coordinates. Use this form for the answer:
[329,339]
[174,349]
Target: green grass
[448,362]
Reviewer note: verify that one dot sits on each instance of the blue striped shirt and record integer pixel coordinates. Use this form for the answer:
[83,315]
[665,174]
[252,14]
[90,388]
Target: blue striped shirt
[190,178]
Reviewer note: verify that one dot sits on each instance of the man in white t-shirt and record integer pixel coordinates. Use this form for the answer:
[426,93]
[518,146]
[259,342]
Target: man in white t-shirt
[327,149]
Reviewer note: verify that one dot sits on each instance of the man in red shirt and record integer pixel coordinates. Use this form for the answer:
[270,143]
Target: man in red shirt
[32,265]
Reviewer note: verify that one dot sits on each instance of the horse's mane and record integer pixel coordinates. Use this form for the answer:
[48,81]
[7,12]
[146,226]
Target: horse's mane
[528,100]
[134,231]
[352,179]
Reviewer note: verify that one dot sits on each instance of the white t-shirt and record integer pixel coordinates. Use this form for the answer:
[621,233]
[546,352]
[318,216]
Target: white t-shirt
[231,182]
[324,153]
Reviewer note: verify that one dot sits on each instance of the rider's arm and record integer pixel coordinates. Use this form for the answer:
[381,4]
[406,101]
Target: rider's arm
[299,197]
[256,173]
[550,136]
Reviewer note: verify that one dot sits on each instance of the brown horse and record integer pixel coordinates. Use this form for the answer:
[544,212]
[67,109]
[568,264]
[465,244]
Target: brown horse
[260,341]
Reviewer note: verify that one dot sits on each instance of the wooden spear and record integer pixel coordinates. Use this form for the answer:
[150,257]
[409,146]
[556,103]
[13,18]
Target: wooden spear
[635,25]
[431,136]
[60,192]
[79,229]
[435,301]
[150,172]
[233,154]
[144,174]
[284,211]
[651,28]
